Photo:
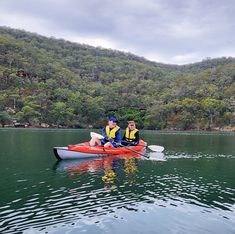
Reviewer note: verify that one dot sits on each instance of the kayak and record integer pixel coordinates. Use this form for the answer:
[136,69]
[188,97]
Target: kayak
[84,150]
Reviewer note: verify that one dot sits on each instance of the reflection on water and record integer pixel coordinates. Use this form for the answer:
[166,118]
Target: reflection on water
[109,166]
[184,190]
[130,166]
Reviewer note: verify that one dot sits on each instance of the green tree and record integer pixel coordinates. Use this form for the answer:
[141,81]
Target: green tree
[61,114]
[59,82]
[5,118]
[29,114]
[213,109]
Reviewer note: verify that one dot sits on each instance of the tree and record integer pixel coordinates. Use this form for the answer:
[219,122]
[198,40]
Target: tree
[29,114]
[5,118]
[59,82]
[185,120]
[213,109]
[61,114]
[156,117]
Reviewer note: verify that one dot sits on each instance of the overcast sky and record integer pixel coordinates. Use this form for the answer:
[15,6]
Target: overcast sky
[169,31]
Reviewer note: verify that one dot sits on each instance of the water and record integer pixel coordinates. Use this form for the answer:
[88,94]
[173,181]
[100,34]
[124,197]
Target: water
[188,189]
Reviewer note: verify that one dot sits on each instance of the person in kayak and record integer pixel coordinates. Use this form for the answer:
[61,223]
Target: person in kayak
[131,136]
[111,134]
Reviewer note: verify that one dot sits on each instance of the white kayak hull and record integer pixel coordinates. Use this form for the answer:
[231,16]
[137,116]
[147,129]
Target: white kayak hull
[65,153]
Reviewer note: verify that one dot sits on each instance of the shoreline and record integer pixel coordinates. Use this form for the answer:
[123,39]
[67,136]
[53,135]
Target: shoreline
[217,129]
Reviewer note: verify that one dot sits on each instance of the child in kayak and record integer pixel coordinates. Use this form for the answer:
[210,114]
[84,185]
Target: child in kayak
[131,136]
[111,134]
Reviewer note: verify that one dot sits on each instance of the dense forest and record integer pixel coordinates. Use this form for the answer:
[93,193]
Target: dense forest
[53,82]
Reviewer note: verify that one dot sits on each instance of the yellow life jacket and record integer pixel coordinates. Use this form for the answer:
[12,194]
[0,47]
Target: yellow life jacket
[111,133]
[130,135]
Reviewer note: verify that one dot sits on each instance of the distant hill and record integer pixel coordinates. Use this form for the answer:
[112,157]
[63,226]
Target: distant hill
[57,82]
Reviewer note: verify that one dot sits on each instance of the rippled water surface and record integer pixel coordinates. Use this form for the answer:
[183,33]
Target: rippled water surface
[188,189]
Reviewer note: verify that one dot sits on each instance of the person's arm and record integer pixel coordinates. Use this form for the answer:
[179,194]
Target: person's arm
[117,141]
[104,132]
[137,139]
[124,136]
[118,136]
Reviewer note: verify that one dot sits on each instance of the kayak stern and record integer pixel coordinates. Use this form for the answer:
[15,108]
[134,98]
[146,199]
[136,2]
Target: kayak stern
[65,153]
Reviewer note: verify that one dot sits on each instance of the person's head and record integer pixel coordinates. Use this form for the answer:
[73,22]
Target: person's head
[112,122]
[131,125]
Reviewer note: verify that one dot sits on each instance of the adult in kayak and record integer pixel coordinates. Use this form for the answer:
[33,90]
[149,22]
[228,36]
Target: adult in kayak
[131,136]
[111,134]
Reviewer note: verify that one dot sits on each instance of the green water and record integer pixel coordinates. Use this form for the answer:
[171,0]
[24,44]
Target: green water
[192,191]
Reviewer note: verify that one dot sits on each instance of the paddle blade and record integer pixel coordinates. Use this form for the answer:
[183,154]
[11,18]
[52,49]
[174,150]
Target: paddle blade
[157,156]
[156,148]
[94,134]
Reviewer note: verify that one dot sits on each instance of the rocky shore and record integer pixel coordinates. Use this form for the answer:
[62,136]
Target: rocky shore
[45,125]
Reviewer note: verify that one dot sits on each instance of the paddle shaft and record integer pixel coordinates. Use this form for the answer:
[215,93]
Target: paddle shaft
[144,155]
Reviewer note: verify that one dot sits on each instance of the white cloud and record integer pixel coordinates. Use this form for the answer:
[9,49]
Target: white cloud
[185,58]
[26,22]
[186,30]
[40,26]
[93,41]
[171,31]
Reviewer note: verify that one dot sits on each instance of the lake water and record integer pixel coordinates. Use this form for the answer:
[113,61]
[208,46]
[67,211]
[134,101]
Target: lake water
[188,189]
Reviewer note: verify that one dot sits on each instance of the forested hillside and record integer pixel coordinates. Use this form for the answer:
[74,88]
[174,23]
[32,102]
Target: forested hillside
[56,82]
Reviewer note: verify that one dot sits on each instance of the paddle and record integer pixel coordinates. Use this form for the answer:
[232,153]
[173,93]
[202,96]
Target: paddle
[155,148]
[144,155]
[94,134]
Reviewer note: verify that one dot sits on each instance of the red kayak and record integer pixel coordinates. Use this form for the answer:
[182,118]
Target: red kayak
[84,150]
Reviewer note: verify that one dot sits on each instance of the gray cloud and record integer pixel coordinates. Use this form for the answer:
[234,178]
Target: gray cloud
[173,31]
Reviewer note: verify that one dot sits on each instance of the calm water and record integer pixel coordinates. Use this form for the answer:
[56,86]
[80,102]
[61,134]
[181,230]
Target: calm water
[189,189]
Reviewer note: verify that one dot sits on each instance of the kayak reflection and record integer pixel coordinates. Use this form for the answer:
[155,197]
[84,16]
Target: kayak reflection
[109,165]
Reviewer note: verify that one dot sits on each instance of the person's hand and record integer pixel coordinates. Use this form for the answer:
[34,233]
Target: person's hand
[118,144]
[110,139]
